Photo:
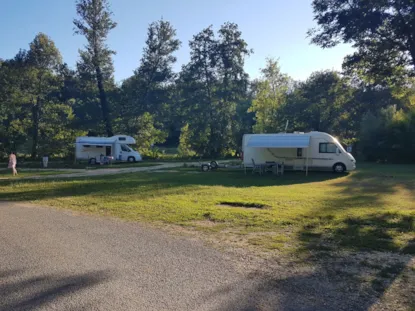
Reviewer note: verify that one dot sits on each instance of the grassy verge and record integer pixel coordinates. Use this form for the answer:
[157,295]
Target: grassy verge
[124,165]
[27,173]
[83,165]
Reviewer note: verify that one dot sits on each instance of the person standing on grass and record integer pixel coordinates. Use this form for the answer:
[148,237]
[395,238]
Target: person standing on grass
[12,163]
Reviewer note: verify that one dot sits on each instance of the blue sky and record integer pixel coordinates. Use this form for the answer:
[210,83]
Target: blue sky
[273,28]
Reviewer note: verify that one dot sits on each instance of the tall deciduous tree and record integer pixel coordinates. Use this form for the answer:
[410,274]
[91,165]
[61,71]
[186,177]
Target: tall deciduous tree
[95,23]
[320,103]
[213,84]
[382,31]
[14,104]
[271,96]
[198,83]
[42,62]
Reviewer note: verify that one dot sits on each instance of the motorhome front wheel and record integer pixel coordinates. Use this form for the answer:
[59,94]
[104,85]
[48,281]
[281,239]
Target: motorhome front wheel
[339,168]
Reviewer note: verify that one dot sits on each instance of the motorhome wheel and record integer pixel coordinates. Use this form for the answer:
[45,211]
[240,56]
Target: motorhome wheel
[339,168]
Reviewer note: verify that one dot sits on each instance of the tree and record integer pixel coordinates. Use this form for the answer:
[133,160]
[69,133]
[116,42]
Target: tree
[42,62]
[271,96]
[321,104]
[185,146]
[197,82]
[151,87]
[95,23]
[14,115]
[147,133]
[212,85]
[381,31]
[388,135]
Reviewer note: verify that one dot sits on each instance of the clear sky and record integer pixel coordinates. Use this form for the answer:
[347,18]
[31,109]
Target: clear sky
[273,28]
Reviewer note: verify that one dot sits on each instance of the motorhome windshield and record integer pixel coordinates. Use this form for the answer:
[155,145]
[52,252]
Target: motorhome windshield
[129,147]
[340,145]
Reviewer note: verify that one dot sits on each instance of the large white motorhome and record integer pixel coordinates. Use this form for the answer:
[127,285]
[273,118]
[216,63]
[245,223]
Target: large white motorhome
[93,149]
[298,151]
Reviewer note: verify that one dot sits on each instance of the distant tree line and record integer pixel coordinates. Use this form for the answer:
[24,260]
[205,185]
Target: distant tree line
[207,107]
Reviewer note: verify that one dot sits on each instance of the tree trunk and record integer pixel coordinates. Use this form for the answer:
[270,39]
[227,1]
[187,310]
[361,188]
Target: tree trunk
[35,134]
[104,102]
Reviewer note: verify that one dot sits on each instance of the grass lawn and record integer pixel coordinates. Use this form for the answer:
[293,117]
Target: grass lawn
[27,173]
[124,165]
[372,208]
[71,165]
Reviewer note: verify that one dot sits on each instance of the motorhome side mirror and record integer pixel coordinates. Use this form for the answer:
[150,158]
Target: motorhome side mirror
[337,151]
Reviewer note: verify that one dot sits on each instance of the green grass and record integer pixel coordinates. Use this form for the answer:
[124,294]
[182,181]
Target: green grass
[370,209]
[82,165]
[124,165]
[27,173]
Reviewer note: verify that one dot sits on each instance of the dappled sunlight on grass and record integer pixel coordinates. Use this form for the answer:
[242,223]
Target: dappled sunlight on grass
[301,212]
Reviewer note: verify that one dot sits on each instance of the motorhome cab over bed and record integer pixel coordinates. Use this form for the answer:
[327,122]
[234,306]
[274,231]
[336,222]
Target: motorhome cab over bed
[93,149]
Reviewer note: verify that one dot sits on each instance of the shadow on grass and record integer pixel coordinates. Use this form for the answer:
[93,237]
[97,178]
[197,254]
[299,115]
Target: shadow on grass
[151,184]
[367,251]
[28,293]
[352,282]
[354,258]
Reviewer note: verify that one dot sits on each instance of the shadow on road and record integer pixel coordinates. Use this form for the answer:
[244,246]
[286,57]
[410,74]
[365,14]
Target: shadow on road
[18,292]
[353,282]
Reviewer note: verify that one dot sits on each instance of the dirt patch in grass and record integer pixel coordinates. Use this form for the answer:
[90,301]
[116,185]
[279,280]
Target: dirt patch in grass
[243,205]
[204,223]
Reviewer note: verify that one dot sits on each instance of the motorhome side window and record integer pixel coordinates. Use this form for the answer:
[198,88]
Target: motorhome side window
[121,138]
[327,148]
[124,148]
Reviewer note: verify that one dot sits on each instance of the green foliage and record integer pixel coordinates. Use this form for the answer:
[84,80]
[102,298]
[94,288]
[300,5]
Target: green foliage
[147,134]
[151,89]
[381,31]
[323,101]
[185,146]
[13,123]
[389,135]
[210,104]
[95,63]
[213,84]
[271,96]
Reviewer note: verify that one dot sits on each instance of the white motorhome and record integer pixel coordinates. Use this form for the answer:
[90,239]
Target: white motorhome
[93,149]
[298,151]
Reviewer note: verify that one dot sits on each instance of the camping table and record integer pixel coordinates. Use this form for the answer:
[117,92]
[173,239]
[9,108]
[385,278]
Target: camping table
[271,165]
[276,167]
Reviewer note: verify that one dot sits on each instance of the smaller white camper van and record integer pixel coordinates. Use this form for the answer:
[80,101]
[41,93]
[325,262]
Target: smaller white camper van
[93,149]
[298,151]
